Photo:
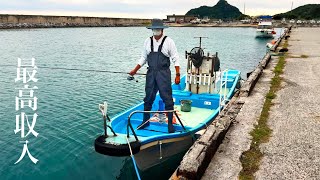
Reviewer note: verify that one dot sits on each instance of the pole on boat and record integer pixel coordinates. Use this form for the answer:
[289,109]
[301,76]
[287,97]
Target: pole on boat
[198,69]
[201,39]
[104,109]
[105,106]
[105,126]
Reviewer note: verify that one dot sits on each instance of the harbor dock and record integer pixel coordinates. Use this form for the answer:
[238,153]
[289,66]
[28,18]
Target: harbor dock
[293,150]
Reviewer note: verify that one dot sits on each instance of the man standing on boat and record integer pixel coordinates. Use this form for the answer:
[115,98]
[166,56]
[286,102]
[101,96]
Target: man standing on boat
[158,51]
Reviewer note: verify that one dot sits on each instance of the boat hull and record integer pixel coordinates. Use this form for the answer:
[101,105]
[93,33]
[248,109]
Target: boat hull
[264,34]
[155,153]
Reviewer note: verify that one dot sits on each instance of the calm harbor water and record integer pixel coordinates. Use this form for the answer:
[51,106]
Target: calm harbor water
[69,119]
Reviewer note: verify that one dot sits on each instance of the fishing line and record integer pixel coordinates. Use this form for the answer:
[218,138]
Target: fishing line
[84,70]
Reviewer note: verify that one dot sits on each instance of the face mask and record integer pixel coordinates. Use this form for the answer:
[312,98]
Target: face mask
[156,32]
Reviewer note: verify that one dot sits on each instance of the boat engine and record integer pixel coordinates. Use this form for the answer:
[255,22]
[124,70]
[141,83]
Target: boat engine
[201,70]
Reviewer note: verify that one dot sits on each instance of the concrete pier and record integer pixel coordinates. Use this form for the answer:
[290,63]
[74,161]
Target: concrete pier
[293,151]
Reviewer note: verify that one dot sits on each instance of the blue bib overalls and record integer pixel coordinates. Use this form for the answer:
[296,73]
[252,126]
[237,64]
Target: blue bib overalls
[158,79]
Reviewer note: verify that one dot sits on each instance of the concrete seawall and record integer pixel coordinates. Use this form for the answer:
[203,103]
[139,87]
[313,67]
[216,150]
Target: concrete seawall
[39,21]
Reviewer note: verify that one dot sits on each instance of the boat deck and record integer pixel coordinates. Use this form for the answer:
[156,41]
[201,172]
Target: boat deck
[189,119]
[195,117]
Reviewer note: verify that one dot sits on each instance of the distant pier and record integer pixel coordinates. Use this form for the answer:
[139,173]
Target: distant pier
[8,21]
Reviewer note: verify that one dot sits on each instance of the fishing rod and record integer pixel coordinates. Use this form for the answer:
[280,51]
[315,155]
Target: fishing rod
[86,70]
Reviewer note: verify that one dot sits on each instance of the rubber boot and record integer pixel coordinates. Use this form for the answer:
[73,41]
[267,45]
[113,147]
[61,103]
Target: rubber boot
[170,125]
[146,117]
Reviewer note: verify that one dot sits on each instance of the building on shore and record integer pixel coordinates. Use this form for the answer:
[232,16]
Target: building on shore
[180,18]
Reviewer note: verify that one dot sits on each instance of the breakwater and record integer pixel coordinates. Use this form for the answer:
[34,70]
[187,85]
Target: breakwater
[39,21]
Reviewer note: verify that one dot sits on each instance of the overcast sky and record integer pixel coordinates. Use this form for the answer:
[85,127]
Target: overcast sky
[139,8]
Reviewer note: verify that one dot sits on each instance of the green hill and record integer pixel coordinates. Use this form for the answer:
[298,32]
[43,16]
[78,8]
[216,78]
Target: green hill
[309,11]
[222,10]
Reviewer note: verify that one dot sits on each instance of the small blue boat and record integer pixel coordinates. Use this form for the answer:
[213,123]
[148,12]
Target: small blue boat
[198,99]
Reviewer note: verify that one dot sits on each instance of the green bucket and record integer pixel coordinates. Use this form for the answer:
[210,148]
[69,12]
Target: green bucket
[185,105]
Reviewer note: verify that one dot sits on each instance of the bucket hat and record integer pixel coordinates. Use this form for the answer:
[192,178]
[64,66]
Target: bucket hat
[157,24]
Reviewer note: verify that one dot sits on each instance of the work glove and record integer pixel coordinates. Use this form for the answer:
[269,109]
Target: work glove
[133,72]
[177,79]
